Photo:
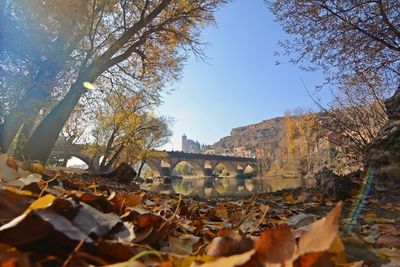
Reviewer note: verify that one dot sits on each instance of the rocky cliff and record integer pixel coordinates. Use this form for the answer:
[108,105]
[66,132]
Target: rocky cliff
[248,138]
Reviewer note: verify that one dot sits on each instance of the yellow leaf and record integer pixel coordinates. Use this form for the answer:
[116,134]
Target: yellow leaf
[222,213]
[289,198]
[93,186]
[38,167]
[41,203]
[133,200]
[18,191]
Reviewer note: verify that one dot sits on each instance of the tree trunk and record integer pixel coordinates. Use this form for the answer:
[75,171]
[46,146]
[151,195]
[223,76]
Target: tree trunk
[140,168]
[114,158]
[94,164]
[46,134]
[26,110]
[108,150]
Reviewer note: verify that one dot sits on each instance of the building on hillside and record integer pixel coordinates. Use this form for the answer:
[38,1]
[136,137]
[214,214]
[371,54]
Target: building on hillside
[190,146]
[208,150]
[245,152]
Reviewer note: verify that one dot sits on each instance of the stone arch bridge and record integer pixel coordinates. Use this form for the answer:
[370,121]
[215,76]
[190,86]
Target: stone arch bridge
[164,162]
[204,164]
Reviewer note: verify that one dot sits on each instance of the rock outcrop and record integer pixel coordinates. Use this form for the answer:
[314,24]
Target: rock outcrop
[124,173]
[333,185]
[383,153]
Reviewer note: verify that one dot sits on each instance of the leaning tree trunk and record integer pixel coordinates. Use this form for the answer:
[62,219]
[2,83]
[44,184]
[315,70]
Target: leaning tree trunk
[29,106]
[26,111]
[46,134]
[383,153]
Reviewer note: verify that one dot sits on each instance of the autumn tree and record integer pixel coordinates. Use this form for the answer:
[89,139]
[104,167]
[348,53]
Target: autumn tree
[143,42]
[125,129]
[357,45]
[303,132]
[151,138]
[356,120]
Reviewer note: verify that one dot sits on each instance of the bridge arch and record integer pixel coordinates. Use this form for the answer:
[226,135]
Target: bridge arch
[231,168]
[155,165]
[197,166]
[67,156]
[252,167]
[249,168]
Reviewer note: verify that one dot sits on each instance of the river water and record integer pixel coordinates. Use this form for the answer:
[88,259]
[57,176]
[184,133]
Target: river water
[222,187]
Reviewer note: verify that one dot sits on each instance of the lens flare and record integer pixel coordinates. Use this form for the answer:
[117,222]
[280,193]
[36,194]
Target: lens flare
[89,86]
[362,197]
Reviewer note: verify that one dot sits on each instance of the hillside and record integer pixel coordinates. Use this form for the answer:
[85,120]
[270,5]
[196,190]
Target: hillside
[289,145]
[246,140]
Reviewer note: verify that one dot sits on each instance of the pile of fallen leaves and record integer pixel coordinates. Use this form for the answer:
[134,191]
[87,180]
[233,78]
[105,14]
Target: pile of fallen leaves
[52,218]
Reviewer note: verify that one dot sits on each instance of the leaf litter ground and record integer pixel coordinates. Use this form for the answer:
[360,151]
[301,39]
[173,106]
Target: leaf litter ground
[56,218]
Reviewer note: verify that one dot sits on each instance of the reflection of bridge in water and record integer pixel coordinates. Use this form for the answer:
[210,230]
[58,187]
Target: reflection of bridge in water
[204,164]
[222,187]
[209,187]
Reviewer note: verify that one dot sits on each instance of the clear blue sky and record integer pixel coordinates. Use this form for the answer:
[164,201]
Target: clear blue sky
[240,84]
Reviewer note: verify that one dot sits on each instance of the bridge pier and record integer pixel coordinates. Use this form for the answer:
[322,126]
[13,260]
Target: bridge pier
[166,171]
[208,172]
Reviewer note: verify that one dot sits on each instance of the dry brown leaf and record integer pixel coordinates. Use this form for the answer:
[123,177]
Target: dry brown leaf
[371,217]
[388,241]
[300,220]
[314,259]
[12,205]
[183,244]
[224,246]
[322,233]
[337,252]
[388,229]
[7,173]
[12,164]
[276,246]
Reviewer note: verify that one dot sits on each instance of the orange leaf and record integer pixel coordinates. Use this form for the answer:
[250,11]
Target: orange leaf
[275,246]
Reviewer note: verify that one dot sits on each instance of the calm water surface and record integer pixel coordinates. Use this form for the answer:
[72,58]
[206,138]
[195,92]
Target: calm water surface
[222,187]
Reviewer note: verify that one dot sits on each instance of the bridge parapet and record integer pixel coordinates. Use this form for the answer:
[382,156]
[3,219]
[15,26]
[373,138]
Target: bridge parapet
[180,154]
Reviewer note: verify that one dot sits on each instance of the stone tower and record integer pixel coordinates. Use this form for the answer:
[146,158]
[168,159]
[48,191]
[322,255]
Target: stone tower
[184,143]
